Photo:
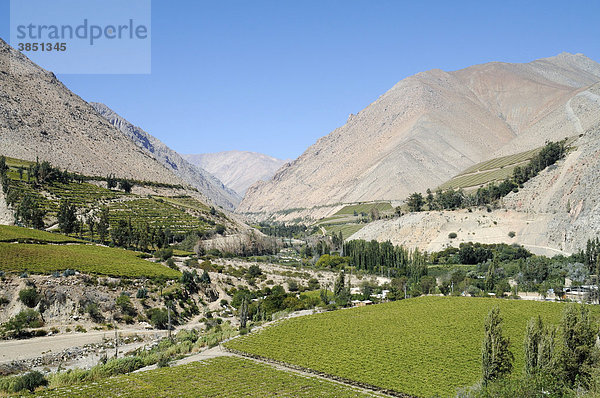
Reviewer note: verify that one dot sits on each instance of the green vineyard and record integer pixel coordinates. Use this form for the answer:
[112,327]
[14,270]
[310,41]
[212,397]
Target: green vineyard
[9,233]
[217,377]
[90,259]
[428,346]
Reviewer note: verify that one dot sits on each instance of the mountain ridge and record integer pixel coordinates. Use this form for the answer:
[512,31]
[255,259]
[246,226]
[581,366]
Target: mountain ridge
[197,177]
[237,169]
[429,127]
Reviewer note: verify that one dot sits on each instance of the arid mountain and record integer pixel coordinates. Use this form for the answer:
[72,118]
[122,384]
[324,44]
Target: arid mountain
[40,117]
[431,126]
[237,169]
[197,177]
[555,212]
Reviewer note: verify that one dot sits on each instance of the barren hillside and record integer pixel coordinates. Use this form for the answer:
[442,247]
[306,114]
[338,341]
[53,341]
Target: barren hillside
[238,169]
[555,212]
[206,183]
[431,126]
[41,118]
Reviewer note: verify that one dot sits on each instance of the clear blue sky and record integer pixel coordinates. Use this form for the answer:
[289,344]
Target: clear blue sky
[274,76]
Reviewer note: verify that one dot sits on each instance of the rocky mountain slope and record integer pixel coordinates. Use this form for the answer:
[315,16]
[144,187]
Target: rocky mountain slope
[238,169]
[555,212]
[431,126]
[197,177]
[41,118]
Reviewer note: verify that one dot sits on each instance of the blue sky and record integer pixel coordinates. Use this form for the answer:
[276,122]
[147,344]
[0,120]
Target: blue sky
[274,76]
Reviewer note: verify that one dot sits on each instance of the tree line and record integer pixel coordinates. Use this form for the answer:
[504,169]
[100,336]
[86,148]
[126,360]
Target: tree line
[561,360]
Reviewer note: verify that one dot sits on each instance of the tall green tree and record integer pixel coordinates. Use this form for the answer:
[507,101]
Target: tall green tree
[533,337]
[496,357]
[103,224]
[67,217]
[579,338]
[415,202]
[29,213]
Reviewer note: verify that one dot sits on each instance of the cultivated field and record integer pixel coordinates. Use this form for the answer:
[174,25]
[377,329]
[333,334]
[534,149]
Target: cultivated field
[9,233]
[217,377]
[45,259]
[428,346]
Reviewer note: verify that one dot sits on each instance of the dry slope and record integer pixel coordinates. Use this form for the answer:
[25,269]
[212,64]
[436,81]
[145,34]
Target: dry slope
[40,117]
[555,212]
[206,183]
[238,169]
[429,127]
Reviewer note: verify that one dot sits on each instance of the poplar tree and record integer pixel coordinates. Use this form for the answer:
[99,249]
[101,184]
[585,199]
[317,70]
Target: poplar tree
[496,357]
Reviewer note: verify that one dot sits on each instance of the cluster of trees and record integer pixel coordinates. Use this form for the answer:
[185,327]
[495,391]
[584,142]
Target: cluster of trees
[27,210]
[559,361]
[260,305]
[386,258]
[451,199]
[123,184]
[283,230]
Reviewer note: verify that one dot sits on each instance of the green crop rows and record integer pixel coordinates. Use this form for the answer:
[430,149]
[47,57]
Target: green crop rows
[425,346]
[475,180]
[365,208]
[18,234]
[34,258]
[157,213]
[217,377]
[503,161]
[345,229]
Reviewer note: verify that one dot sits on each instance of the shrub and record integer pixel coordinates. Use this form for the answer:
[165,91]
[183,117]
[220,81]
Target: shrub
[29,297]
[164,254]
[30,381]
[452,235]
[511,234]
[171,264]
[94,311]
[142,293]
[25,319]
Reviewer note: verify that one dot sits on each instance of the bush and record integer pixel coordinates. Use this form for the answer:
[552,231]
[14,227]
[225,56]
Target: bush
[164,254]
[94,311]
[29,297]
[171,264]
[142,293]
[30,381]
[511,234]
[25,319]
[452,235]
[158,317]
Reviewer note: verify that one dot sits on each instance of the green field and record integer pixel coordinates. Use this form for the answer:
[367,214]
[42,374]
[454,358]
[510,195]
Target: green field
[10,233]
[217,377]
[425,346]
[90,259]
[365,208]
[345,229]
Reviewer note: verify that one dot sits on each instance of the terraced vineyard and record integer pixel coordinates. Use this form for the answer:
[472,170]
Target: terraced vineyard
[428,346]
[217,377]
[45,259]
[497,169]
[180,214]
[158,213]
[9,233]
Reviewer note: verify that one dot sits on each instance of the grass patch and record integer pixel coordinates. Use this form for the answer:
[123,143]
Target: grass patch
[217,377]
[427,346]
[44,259]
